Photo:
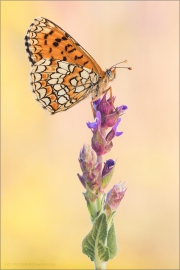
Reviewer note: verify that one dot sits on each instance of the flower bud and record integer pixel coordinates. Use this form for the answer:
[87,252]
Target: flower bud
[98,143]
[87,158]
[93,177]
[108,166]
[107,172]
[106,106]
[114,197]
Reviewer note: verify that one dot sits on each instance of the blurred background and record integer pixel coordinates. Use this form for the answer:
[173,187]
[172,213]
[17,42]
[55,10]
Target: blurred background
[44,214]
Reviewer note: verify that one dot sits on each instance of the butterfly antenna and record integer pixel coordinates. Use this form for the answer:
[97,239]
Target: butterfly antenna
[130,68]
[125,61]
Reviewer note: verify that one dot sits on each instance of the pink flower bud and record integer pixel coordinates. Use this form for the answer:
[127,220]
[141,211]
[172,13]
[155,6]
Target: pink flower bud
[114,197]
[87,158]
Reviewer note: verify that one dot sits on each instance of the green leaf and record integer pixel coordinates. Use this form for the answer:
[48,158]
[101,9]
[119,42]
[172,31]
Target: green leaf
[111,242]
[93,244]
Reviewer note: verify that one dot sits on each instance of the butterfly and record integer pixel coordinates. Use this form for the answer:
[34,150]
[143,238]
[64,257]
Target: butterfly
[63,73]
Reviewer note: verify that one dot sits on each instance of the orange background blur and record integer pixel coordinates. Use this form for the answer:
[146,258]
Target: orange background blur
[44,214]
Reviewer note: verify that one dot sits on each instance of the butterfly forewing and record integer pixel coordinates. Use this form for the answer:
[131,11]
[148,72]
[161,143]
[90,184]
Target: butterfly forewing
[47,40]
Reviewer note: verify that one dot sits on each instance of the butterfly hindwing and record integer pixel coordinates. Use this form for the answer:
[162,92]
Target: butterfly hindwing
[58,85]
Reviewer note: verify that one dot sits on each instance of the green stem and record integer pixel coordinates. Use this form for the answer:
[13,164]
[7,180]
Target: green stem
[98,265]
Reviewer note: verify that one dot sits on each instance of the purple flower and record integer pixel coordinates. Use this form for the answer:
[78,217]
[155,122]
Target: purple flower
[95,176]
[108,166]
[114,131]
[106,106]
[109,113]
[98,141]
[106,116]
[97,124]
[110,120]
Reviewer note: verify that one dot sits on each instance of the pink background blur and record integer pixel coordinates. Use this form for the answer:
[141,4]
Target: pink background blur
[44,214]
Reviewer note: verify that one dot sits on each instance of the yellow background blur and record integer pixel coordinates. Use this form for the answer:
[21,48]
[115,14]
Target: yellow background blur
[44,214]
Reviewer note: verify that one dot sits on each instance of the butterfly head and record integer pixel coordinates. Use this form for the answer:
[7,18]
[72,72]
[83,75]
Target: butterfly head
[111,74]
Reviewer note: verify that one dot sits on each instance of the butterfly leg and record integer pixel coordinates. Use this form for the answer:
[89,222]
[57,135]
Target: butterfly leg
[94,99]
[110,90]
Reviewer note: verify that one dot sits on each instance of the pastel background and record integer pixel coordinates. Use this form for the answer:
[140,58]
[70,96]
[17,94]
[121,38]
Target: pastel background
[44,214]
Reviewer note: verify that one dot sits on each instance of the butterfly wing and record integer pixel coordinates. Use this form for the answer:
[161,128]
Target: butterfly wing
[45,39]
[58,85]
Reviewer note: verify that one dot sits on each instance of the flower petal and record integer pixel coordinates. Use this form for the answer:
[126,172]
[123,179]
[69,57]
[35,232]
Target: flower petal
[94,125]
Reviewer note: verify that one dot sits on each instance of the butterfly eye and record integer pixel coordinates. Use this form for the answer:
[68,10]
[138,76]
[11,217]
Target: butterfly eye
[109,73]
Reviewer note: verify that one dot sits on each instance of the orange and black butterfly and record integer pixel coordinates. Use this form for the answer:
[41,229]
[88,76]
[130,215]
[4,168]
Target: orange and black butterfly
[62,73]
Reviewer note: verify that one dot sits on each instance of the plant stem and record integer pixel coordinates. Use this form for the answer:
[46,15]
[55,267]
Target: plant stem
[98,265]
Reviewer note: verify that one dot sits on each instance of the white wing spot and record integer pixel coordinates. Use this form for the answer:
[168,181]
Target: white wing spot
[66,89]
[60,80]
[62,100]
[33,27]
[71,68]
[46,63]
[66,96]
[73,100]
[46,101]
[57,87]
[52,81]
[84,74]
[32,35]
[62,71]
[40,62]
[40,69]
[79,89]
[38,29]
[55,75]
[74,82]
[84,81]
[63,64]
[61,92]
[37,77]
[33,41]
[41,92]
[94,78]
[37,86]
[69,103]
[42,24]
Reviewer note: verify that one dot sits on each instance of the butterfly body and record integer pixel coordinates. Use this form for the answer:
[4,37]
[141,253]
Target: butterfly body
[63,73]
